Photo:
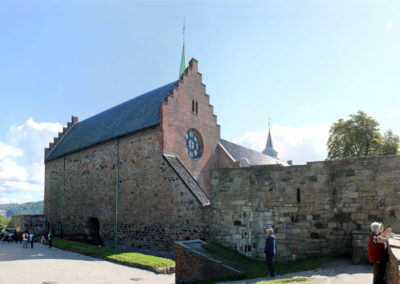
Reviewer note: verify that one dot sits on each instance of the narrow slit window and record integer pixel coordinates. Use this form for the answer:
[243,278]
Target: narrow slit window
[197,109]
[192,105]
[298,196]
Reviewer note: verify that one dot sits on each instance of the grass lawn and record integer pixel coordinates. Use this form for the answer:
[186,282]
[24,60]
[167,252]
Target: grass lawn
[148,262]
[255,269]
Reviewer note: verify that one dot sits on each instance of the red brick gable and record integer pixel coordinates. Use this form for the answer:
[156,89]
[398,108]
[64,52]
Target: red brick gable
[177,117]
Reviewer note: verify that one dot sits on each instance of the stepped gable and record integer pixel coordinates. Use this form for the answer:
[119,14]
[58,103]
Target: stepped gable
[187,179]
[139,113]
[74,120]
[248,157]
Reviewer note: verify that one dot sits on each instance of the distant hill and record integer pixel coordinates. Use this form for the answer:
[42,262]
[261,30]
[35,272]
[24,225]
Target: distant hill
[23,208]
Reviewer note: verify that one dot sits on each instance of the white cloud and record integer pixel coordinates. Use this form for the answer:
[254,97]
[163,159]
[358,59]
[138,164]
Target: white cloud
[9,170]
[21,186]
[9,200]
[394,114]
[32,137]
[301,144]
[21,160]
[9,151]
[390,25]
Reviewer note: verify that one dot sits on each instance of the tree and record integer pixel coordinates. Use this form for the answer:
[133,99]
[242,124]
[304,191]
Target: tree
[359,136]
[390,144]
[3,222]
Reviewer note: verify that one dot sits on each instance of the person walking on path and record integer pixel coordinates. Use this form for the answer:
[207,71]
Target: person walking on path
[50,239]
[270,251]
[25,240]
[43,239]
[377,253]
[31,239]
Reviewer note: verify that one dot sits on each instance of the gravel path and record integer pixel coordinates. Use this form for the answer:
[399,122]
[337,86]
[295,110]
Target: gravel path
[42,264]
[337,271]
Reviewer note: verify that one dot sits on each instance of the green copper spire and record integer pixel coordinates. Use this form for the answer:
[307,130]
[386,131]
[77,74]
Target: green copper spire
[183,58]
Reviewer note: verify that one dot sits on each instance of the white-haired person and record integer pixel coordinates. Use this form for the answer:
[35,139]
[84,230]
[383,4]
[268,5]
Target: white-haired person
[377,252]
[270,250]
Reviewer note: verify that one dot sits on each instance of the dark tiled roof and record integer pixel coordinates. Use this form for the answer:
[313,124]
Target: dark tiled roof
[187,179]
[248,157]
[136,114]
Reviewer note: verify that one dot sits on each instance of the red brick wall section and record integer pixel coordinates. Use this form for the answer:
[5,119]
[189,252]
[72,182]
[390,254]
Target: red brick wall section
[191,265]
[394,258]
[176,118]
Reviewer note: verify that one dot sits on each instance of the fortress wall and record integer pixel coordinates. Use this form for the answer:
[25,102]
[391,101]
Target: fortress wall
[313,208]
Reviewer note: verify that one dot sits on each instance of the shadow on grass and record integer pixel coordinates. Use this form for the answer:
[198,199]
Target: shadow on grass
[149,262]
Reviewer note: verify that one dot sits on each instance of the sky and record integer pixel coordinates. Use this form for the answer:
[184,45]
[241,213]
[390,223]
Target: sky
[304,64]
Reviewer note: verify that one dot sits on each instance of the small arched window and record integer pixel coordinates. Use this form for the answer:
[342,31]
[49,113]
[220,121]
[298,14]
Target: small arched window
[197,109]
[192,105]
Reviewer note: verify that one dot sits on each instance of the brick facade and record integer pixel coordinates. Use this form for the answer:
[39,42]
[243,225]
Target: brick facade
[177,118]
[192,264]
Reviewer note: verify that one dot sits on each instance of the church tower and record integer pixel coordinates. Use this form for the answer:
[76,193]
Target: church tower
[269,147]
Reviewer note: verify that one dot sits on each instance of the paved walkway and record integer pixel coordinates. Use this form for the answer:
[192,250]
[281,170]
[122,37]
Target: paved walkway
[42,264]
[338,271]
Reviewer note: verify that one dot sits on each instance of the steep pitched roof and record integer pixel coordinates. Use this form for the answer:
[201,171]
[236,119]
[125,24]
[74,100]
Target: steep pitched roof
[269,147]
[248,157]
[136,114]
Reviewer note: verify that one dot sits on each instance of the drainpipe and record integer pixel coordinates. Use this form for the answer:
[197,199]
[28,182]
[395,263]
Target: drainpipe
[62,200]
[116,199]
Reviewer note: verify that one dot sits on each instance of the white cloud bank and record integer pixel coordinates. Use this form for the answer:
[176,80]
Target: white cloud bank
[390,25]
[21,160]
[301,145]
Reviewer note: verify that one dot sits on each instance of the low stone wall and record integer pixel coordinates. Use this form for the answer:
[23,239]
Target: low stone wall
[191,264]
[360,247]
[394,261]
[313,208]
[32,223]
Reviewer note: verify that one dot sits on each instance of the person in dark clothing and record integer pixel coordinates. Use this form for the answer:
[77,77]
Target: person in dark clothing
[50,239]
[270,251]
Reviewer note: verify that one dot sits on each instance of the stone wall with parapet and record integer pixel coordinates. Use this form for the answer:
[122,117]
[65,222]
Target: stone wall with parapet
[393,271]
[155,208]
[313,208]
[32,223]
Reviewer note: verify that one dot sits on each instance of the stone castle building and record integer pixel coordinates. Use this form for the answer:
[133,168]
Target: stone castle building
[137,175]
[154,170]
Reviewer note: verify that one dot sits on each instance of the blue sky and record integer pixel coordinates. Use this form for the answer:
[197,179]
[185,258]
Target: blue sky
[305,64]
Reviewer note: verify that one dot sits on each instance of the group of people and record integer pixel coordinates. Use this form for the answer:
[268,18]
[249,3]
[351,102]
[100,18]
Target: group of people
[27,238]
[377,251]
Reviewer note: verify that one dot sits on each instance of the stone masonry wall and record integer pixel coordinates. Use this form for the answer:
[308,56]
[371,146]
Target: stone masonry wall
[313,208]
[392,266]
[154,207]
[32,223]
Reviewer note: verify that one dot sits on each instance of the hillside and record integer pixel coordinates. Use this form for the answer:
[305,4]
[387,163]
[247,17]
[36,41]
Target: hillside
[23,208]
